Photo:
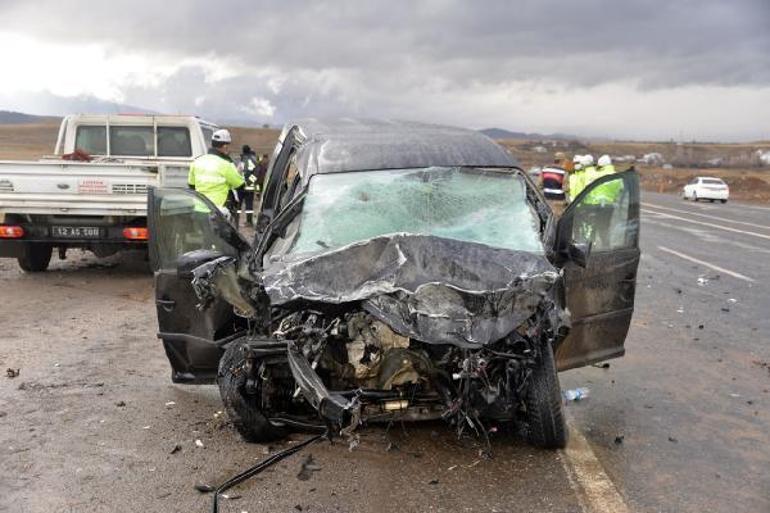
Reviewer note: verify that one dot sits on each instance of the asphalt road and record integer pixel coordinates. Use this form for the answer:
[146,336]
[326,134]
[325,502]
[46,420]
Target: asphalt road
[680,424]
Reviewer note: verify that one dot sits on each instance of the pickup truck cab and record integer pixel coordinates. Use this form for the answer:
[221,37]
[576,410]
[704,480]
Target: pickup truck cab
[92,192]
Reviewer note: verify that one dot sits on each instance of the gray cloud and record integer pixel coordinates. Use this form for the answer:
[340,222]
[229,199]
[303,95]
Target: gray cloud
[401,57]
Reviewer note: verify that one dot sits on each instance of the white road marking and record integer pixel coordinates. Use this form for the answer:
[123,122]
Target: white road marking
[706,264]
[596,493]
[708,236]
[763,226]
[712,225]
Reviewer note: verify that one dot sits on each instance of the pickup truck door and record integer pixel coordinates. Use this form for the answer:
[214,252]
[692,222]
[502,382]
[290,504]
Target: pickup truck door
[600,294]
[187,230]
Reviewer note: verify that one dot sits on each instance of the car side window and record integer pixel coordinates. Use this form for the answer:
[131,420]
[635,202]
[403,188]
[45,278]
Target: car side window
[92,139]
[603,216]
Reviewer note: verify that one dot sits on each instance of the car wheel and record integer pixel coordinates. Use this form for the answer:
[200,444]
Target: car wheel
[547,428]
[244,408]
[35,257]
[723,201]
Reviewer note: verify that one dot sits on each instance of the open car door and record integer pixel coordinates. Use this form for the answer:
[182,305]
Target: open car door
[186,231]
[598,237]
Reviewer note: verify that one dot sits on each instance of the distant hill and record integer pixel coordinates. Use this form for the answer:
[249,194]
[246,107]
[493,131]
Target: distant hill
[8,117]
[501,133]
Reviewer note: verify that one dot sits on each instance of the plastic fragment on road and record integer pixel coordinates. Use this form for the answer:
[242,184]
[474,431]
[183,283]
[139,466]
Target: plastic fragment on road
[576,394]
[198,443]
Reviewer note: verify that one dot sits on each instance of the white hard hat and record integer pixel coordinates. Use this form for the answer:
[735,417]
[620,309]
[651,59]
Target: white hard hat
[587,160]
[604,160]
[577,158]
[221,135]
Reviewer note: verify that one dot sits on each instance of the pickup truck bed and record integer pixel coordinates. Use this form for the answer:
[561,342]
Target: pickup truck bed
[83,189]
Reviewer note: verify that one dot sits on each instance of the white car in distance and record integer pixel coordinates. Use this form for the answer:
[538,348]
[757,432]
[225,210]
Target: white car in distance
[706,187]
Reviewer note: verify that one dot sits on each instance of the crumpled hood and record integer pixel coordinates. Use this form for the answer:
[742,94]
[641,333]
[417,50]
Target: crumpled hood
[432,289]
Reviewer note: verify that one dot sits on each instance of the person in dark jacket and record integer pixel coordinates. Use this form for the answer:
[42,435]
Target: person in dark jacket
[553,180]
[249,168]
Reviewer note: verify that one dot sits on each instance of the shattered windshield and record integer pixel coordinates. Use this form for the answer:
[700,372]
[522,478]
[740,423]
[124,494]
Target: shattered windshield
[466,204]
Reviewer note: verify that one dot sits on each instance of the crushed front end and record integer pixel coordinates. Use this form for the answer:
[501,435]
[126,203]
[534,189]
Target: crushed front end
[397,327]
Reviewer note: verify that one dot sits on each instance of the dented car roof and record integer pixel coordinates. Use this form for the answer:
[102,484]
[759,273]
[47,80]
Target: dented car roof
[341,145]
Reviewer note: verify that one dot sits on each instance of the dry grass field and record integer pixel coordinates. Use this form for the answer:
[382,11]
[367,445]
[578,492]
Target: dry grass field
[739,169]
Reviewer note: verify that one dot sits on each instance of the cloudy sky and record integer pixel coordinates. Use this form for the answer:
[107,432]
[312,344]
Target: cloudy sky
[644,69]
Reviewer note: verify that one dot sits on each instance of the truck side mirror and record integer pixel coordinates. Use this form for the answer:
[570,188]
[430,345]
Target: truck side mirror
[578,252]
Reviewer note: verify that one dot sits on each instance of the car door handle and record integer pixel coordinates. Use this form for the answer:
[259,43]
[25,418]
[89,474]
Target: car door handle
[167,304]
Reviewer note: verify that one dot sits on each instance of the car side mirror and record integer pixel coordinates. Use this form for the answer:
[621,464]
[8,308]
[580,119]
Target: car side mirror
[578,252]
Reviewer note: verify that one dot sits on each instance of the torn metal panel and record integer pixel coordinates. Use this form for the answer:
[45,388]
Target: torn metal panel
[435,290]
[219,278]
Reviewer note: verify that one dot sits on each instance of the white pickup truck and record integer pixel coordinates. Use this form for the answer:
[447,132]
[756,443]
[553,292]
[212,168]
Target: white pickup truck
[92,193]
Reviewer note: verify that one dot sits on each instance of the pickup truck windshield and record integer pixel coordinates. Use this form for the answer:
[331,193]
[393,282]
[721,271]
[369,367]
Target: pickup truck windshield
[473,205]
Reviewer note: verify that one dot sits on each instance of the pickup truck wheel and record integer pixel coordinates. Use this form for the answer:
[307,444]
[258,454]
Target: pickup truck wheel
[35,257]
[243,408]
[547,428]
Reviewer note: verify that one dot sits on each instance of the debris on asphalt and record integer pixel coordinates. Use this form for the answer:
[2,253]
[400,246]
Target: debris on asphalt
[170,404]
[604,365]
[308,466]
[175,449]
[433,482]
[576,394]
[619,439]
[680,310]
[673,440]
[732,300]
[12,373]
[725,309]
[391,447]
[120,404]
[230,497]
[198,443]
[204,488]
[762,364]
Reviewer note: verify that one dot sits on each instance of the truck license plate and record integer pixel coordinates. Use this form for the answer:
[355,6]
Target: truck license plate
[76,232]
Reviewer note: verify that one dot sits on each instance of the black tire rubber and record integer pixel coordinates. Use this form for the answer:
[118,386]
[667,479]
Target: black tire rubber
[547,428]
[35,257]
[723,201]
[243,409]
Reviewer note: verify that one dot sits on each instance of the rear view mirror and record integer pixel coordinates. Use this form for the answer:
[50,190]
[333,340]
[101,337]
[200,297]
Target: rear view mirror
[578,252]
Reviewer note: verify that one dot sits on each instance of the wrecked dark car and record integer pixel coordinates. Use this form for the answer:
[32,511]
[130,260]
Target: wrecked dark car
[400,271]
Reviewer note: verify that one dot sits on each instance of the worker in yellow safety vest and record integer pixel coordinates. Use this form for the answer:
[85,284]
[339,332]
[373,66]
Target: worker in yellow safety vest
[575,177]
[601,204]
[214,175]
[608,193]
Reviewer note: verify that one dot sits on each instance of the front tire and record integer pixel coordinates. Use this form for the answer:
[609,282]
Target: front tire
[547,428]
[243,408]
[723,201]
[35,257]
